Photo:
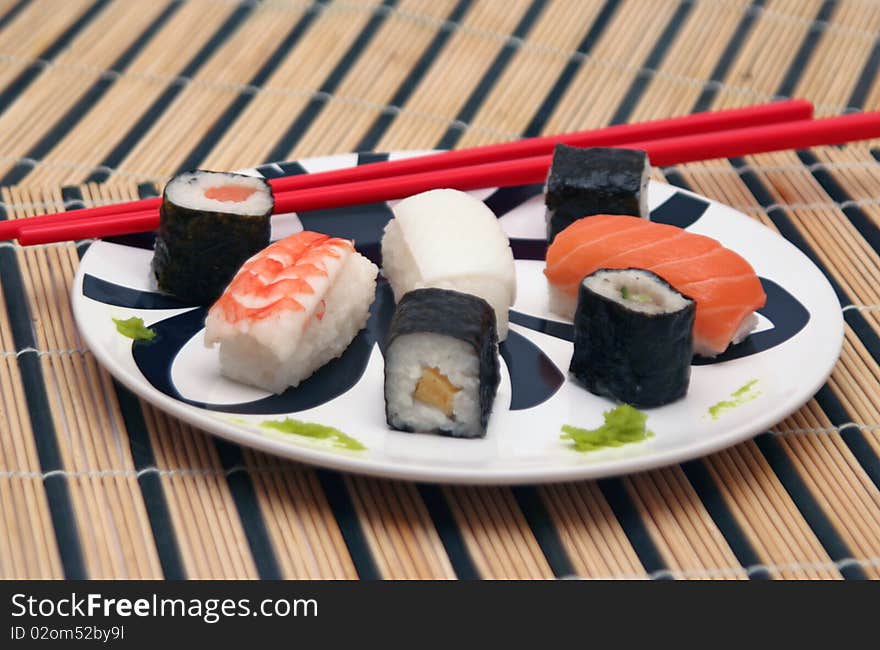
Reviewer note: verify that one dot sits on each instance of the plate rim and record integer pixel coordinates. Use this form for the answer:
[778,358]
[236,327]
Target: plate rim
[449,474]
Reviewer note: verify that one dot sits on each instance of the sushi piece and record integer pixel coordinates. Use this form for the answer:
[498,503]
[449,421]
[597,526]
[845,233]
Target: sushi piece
[595,180]
[441,364]
[290,309]
[449,239]
[633,337]
[724,285]
[209,224]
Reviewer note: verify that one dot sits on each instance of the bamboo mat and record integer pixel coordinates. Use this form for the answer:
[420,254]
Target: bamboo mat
[100,100]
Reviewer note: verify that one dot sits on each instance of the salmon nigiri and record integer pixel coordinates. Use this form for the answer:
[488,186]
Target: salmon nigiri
[724,285]
[290,309]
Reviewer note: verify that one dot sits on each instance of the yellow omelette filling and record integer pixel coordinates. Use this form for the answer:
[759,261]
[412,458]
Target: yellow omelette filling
[435,389]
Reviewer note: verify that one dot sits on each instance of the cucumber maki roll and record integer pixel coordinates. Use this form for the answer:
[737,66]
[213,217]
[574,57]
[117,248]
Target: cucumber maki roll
[441,364]
[209,224]
[595,180]
[633,337]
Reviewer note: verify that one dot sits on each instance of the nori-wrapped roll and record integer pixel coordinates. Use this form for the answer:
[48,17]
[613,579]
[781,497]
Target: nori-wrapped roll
[209,224]
[595,180]
[633,337]
[441,364]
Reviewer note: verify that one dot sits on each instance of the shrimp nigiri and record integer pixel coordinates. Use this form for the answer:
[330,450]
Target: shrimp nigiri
[290,309]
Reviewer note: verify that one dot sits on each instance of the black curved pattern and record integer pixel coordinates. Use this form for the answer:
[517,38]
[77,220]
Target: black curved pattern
[505,199]
[680,209]
[533,377]
[119,296]
[564,331]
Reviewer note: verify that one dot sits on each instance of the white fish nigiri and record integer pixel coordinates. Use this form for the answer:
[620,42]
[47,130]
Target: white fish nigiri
[290,309]
[450,240]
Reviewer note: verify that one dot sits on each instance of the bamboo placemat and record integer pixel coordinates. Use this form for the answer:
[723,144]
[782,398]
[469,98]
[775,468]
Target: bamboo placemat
[101,100]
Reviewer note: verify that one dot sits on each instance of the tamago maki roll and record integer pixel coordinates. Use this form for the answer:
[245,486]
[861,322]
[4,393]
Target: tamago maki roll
[633,337]
[595,180]
[441,364]
[209,224]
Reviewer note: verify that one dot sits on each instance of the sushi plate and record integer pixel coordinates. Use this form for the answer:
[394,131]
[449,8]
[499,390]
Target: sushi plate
[742,393]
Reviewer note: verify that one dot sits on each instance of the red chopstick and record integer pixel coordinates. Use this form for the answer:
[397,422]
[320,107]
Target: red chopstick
[772,113]
[740,142]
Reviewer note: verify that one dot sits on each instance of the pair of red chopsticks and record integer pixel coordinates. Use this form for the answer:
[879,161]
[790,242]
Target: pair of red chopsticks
[720,134]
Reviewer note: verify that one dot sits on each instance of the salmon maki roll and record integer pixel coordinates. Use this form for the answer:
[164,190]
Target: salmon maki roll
[724,285]
[209,224]
[290,309]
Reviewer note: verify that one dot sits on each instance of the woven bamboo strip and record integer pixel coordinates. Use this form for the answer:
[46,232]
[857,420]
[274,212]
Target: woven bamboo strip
[450,80]
[840,484]
[374,78]
[399,529]
[262,124]
[194,500]
[30,549]
[854,381]
[88,423]
[189,29]
[694,54]
[685,534]
[189,116]
[860,182]
[48,99]
[496,534]
[306,538]
[598,88]
[766,53]
[33,30]
[837,61]
[532,72]
[590,533]
[766,515]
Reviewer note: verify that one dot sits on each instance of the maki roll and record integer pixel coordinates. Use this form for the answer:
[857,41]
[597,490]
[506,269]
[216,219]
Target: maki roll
[209,224]
[441,364]
[596,180]
[290,309]
[633,337]
[451,240]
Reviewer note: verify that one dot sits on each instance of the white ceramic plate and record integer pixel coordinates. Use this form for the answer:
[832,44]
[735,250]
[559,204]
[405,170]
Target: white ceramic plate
[791,355]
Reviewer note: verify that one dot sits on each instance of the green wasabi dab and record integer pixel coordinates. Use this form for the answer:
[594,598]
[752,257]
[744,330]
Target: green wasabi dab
[740,396]
[313,430]
[134,328]
[623,425]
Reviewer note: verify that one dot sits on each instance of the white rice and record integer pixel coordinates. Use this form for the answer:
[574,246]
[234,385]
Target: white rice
[450,240]
[188,191]
[407,358]
[663,298]
[255,361]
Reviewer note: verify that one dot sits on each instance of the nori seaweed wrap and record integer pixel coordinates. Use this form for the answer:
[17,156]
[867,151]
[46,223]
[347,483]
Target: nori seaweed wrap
[595,180]
[441,364]
[633,337]
[209,224]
